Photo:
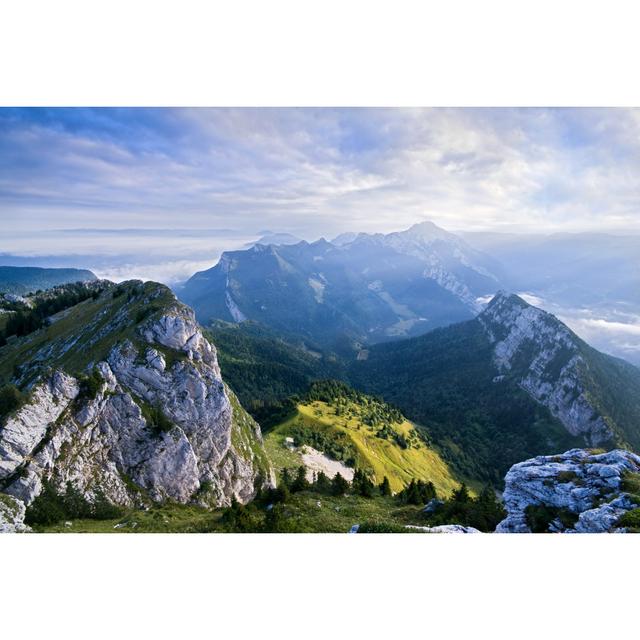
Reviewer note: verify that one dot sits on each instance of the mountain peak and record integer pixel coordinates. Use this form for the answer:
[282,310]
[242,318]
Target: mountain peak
[427,230]
[504,298]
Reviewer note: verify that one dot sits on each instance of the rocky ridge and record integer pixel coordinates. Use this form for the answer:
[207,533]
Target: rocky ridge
[579,491]
[151,420]
[546,358]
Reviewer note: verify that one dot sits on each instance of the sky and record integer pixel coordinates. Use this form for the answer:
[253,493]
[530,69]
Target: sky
[159,193]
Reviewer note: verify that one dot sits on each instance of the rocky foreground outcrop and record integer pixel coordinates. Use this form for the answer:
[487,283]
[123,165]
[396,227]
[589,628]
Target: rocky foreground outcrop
[154,421]
[576,492]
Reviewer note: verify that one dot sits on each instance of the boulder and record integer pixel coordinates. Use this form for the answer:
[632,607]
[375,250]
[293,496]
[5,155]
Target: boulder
[580,490]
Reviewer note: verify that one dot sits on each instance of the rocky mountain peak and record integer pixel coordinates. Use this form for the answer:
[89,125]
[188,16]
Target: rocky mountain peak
[140,414]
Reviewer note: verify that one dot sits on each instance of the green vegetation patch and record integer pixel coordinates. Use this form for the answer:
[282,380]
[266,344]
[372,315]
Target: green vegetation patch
[244,437]
[361,431]
[11,400]
[539,517]
[86,332]
[51,506]
[630,520]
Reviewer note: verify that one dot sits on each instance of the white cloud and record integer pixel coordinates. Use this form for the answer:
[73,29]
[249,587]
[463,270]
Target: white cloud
[314,172]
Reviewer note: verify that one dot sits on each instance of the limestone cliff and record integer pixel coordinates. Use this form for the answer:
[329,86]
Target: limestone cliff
[126,400]
[593,395]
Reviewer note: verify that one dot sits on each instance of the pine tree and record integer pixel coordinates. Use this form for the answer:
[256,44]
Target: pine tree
[339,485]
[322,483]
[300,483]
[461,495]
[385,487]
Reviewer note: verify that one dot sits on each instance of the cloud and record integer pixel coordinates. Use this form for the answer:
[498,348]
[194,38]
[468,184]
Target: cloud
[617,338]
[311,172]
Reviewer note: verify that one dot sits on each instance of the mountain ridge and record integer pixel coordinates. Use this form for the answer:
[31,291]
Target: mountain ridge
[375,287]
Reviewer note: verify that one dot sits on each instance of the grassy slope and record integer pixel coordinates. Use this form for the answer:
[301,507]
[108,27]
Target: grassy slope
[334,515]
[383,457]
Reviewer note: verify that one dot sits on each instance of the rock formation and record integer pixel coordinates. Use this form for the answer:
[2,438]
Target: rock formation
[157,423]
[578,491]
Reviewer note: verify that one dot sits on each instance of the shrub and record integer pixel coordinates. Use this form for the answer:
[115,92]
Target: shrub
[540,516]
[630,520]
[90,385]
[11,399]
[51,507]
[567,476]
[157,421]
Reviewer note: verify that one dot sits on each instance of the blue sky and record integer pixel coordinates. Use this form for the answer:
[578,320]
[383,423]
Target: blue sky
[119,182]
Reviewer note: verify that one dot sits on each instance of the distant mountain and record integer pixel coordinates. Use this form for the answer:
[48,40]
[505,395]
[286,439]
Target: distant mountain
[275,238]
[344,238]
[23,280]
[513,383]
[372,288]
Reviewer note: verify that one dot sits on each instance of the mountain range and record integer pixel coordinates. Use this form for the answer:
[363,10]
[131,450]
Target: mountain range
[368,289]
[392,368]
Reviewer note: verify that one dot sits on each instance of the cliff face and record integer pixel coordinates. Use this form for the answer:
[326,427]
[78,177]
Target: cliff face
[548,361]
[578,491]
[153,421]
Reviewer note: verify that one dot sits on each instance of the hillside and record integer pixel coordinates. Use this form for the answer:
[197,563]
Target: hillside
[370,289]
[357,431]
[265,370]
[120,401]
[509,385]
[23,280]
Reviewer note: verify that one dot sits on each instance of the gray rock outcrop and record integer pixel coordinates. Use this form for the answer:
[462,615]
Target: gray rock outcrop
[577,491]
[162,425]
[445,528]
